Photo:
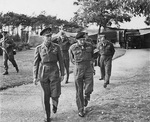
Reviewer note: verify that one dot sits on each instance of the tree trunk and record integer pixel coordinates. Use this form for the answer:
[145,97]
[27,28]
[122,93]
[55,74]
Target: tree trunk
[99,30]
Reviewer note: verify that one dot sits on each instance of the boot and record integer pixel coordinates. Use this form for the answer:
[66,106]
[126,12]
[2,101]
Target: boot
[85,102]
[81,114]
[67,80]
[17,69]
[5,73]
[54,109]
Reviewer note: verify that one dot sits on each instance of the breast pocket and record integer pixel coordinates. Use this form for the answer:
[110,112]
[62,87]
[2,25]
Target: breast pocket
[44,57]
[88,49]
[53,55]
[78,54]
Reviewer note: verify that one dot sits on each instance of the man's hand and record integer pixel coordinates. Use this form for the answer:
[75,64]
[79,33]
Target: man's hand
[35,81]
[61,78]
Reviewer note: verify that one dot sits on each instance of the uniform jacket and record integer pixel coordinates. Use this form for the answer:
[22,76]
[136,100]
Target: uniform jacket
[64,45]
[45,62]
[8,44]
[80,53]
[106,48]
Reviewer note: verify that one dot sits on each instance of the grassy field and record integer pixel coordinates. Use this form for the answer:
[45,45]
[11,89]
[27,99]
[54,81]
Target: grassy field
[24,60]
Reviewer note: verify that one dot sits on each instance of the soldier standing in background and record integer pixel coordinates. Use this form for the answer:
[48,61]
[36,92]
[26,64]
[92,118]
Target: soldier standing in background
[65,44]
[81,55]
[106,51]
[45,68]
[8,53]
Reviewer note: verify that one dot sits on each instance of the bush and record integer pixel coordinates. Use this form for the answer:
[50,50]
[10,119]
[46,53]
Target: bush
[16,38]
[22,46]
[19,45]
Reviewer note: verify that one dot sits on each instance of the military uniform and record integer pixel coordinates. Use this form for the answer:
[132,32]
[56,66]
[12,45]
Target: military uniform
[81,57]
[8,45]
[89,40]
[64,43]
[45,68]
[106,51]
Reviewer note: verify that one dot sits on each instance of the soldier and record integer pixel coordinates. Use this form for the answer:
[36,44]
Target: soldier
[46,70]
[106,51]
[8,47]
[81,55]
[65,44]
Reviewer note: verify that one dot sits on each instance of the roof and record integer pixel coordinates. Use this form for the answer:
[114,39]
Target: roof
[144,31]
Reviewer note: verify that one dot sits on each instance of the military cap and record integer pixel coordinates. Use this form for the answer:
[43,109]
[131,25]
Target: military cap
[46,31]
[80,35]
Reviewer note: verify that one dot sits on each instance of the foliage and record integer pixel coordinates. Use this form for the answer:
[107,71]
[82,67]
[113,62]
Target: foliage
[106,12]
[40,21]
[22,46]
[16,38]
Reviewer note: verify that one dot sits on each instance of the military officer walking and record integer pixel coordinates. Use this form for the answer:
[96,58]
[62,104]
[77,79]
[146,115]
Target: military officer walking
[81,55]
[106,51]
[8,47]
[45,69]
[65,44]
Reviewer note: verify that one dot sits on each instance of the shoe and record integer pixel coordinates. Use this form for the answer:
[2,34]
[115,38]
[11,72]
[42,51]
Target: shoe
[85,102]
[101,79]
[105,85]
[54,109]
[47,120]
[5,73]
[66,82]
[17,69]
[81,114]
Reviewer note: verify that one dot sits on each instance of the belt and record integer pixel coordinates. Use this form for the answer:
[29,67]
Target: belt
[49,63]
[83,62]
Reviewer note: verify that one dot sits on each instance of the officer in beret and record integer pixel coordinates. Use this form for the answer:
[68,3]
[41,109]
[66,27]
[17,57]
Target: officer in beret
[106,51]
[46,70]
[81,55]
[64,42]
[8,47]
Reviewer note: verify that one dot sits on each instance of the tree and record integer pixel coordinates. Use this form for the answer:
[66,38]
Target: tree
[141,8]
[1,19]
[106,12]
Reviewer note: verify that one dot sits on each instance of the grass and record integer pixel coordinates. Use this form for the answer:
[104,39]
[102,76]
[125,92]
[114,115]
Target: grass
[24,60]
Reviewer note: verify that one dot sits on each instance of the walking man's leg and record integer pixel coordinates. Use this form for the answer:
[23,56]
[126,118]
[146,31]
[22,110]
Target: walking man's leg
[45,90]
[5,60]
[66,64]
[12,60]
[88,85]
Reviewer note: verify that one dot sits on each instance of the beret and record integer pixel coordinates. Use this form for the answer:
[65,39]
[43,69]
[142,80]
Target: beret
[46,31]
[80,35]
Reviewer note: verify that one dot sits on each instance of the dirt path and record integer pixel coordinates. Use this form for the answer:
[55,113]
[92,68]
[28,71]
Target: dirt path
[126,99]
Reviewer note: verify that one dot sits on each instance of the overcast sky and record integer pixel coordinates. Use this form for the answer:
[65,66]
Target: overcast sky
[63,9]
